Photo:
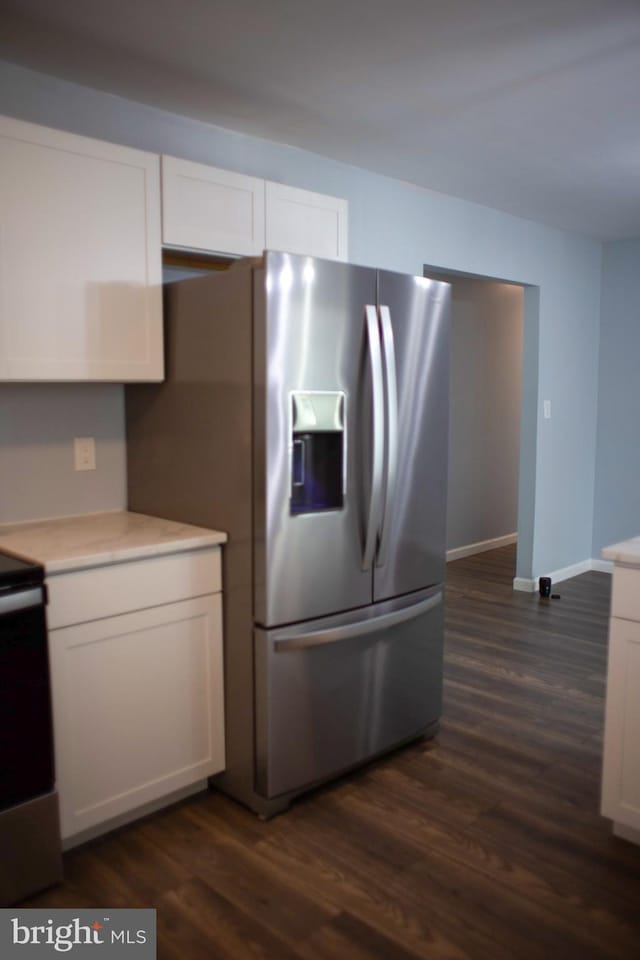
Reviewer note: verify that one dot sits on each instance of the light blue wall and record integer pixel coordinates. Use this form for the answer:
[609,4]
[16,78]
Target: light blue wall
[398,226]
[616,514]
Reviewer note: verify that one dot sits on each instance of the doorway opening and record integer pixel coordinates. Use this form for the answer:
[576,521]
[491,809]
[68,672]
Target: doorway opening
[491,475]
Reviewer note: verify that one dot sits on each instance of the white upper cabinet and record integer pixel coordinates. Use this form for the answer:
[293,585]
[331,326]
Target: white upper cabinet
[81,237]
[80,258]
[204,208]
[299,221]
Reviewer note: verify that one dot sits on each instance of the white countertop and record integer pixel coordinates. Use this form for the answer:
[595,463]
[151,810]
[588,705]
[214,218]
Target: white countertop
[96,539]
[627,552]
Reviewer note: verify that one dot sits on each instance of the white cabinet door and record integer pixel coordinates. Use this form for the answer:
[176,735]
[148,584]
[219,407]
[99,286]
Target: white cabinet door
[298,221]
[80,258]
[204,208]
[138,708]
[621,770]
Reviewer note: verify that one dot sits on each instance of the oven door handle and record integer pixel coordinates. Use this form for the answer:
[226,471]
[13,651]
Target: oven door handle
[21,600]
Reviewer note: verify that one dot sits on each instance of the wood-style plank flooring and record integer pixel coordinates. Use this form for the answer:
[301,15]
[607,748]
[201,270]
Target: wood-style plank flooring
[484,843]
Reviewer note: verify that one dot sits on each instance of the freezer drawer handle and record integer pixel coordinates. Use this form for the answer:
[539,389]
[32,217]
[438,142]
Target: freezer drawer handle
[375,503]
[21,600]
[318,638]
[389,353]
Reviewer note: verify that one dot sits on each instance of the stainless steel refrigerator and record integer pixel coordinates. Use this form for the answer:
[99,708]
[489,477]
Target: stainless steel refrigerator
[305,412]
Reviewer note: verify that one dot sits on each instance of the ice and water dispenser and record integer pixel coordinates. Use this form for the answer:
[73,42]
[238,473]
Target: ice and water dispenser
[318,454]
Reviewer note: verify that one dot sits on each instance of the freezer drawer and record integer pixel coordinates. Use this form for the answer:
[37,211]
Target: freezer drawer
[333,692]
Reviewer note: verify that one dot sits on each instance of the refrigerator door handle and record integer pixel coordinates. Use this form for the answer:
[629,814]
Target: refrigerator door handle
[389,353]
[318,638]
[377,457]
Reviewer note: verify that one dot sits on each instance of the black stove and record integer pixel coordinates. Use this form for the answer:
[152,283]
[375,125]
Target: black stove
[15,572]
[30,850]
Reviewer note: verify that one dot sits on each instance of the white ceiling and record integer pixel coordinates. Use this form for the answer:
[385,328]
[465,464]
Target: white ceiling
[529,106]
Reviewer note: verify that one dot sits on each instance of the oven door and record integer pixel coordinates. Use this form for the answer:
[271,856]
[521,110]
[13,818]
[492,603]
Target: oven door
[26,732]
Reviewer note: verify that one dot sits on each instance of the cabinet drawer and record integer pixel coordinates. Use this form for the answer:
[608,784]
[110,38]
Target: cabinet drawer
[97,592]
[625,596]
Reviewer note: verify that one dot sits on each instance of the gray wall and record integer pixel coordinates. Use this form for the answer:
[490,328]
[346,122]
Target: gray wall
[617,486]
[37,426]
[484,425]
[398,226]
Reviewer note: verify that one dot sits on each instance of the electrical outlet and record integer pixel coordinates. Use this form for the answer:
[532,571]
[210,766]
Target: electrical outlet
[547,409]
[84,453]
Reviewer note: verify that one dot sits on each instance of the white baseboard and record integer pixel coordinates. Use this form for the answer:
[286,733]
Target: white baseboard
[151,807]
[632,834]
[481,547]
[525,584]
[529,585]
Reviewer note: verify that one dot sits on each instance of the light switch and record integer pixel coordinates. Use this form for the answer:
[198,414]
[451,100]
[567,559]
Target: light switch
[84,453]
[547,409]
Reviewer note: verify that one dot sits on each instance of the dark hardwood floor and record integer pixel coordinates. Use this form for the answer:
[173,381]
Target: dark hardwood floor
[485,842]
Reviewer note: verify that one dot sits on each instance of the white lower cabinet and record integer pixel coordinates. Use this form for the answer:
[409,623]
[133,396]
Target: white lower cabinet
[138,704]
[621,768]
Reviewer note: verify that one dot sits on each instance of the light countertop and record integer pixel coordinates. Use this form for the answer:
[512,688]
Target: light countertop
[96,539]
[627,552]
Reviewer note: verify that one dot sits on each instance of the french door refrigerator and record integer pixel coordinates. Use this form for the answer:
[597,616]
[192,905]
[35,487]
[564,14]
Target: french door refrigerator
[305,412]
